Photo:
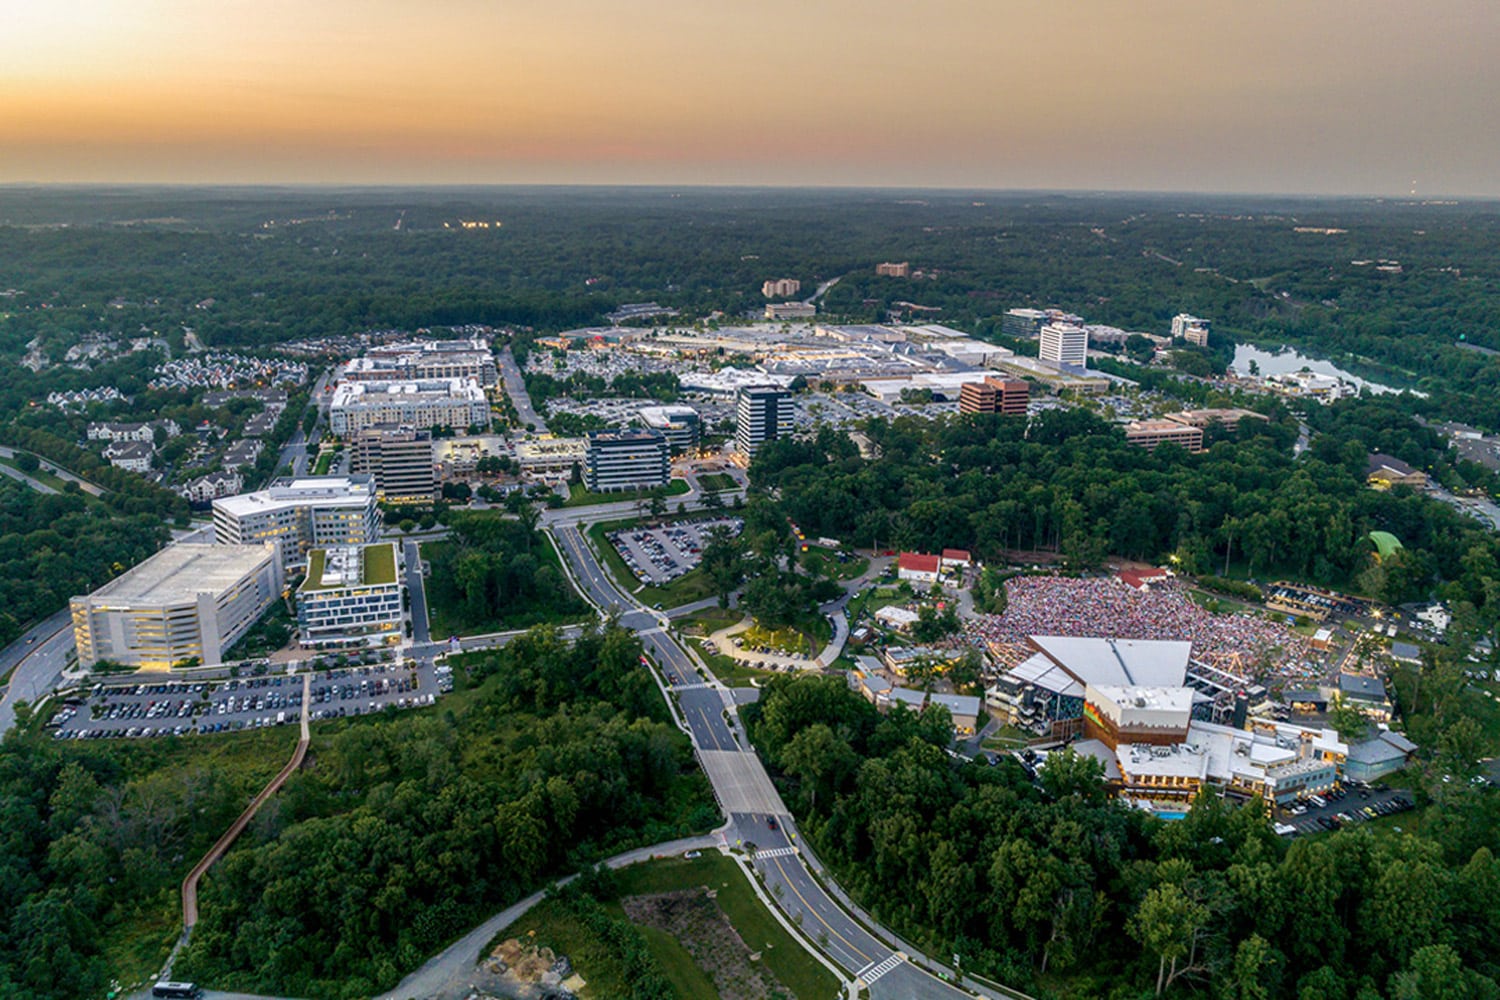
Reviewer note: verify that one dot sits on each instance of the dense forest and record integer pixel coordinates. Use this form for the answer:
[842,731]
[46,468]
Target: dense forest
[1407,288]
[1069,483]
[54,547]
[495,573]
[1054,888]
[95,839]
[400,832]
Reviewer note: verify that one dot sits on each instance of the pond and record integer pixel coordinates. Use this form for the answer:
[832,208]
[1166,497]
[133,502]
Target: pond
[1287,360]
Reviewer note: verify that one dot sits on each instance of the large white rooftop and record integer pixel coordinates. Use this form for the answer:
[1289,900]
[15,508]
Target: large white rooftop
[1122,662]
[323,491]
[372,393]
[179,573]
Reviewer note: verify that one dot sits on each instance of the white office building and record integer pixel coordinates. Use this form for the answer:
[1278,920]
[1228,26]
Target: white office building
[184,606]
[1064,344]
[300,515]
[627,460]
[761,414]
[678,424]
[351,597]
[1182,323]
[455,402]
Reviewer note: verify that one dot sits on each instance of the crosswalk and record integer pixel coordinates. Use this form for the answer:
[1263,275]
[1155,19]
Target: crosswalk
[776,852]
[875,970]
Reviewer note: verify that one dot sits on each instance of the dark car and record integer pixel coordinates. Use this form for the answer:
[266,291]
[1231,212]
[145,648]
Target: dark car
[771,822]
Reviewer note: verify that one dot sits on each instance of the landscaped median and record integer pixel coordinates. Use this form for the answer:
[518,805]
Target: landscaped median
[580,496]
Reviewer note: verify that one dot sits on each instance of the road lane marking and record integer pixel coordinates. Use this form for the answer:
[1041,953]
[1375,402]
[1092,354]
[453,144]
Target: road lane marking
[816,916]
[776,852]
[874,971]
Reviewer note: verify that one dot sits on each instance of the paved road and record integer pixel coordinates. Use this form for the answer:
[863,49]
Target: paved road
[746,794]
[62,474]
[416,587]
[515,387]
[448,974]
[835,611]
[38,658]
[21,477]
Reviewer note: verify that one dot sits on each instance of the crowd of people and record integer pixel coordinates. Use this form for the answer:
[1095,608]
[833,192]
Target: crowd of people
[1107,608]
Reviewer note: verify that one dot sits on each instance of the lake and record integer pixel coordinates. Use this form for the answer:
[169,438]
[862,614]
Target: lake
[1287,360]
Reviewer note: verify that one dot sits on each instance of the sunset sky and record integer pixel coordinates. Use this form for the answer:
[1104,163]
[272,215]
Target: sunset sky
[1321,96]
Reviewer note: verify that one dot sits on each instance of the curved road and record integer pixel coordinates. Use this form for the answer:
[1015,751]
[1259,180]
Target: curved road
[746,795]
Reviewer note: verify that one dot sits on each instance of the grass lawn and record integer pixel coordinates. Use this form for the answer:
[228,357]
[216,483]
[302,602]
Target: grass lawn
[1007,737]
[325,460]
[781,954]
[579,495]
[717,482]
[822,561]
[710,621]
[690,587]
[446,616]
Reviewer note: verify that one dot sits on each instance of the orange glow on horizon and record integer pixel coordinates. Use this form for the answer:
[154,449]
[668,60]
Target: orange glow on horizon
[1339,96]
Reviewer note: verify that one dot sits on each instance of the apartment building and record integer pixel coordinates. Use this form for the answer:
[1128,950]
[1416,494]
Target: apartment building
[453,402]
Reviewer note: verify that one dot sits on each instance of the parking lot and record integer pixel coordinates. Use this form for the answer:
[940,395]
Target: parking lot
[1345,807]
[659,555]
[181,708]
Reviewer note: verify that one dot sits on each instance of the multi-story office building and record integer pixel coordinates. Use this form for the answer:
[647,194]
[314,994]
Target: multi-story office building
[351,597]
[1064,344]
[889,269]
[1150,434]
[995,395]
[1191,329]
[760,413]
[678,424]
[627,460]
[301,514]
[184,606]
[399,459]
[454,402]
[1028,323]
[780,288]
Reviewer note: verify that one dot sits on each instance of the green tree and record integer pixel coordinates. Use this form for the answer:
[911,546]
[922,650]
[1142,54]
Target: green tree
[1170,926]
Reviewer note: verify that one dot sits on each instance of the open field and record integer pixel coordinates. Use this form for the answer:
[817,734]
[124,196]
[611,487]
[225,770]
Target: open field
[769,945]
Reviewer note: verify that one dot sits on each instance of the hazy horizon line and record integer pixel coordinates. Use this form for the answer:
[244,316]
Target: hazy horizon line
[1418,199]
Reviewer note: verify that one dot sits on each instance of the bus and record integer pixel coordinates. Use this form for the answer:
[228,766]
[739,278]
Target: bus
[186,991]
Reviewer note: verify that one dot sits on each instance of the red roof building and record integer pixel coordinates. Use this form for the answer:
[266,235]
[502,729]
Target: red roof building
[910,565]
[958,557]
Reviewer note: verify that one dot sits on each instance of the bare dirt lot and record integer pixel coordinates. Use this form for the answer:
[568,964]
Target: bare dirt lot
[699,925]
